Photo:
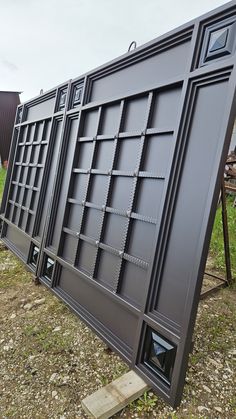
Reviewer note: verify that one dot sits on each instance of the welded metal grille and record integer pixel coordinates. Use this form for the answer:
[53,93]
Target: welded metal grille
[121,159]
[113,184]
[27,174]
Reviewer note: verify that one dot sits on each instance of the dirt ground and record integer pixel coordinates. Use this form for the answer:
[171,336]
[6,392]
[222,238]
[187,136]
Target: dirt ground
[50,360]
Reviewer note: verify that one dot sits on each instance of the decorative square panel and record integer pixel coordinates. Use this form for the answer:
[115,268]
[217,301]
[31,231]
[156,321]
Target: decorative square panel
[62,99]
[48,268]
[77,95]
[218,41]
[159,355]
[19,115]
[34,256]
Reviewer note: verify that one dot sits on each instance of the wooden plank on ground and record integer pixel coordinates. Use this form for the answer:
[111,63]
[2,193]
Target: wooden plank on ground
[110,399]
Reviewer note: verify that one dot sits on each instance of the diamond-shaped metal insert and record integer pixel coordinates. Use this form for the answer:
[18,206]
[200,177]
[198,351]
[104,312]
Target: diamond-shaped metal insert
[159,356]
[77,95]
[35,254]
[19,116]
[48,268]
[62,100]
[218,40]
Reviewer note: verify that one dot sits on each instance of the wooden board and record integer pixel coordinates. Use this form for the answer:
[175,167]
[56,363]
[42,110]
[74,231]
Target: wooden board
[110,399]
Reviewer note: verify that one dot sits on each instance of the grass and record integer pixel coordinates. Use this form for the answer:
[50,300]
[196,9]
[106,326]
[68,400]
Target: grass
[145,403]
[217,245]
[12,271]
[3,173]
[43,339]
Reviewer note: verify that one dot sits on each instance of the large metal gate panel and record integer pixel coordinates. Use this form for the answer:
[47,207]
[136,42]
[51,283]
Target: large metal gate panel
[117,215]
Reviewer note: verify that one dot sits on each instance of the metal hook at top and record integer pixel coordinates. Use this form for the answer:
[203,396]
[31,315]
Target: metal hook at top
[133,43]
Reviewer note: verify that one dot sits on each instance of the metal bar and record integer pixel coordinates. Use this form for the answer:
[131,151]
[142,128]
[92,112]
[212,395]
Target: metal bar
[212,290]
[109,186]
[88,186]
[135,188]
[226,235]
[226,281]
[215,276]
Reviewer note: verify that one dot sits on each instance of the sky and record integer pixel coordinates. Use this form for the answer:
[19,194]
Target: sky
[46,42]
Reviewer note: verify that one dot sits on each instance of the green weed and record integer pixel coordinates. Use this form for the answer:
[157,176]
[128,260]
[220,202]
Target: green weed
[146,403]
[217,244]
[43,339]
[2,181]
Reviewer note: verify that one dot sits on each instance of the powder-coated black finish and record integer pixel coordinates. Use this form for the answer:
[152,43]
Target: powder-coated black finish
[114,185]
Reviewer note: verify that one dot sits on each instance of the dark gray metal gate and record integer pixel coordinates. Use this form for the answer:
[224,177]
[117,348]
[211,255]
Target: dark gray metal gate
[113,188]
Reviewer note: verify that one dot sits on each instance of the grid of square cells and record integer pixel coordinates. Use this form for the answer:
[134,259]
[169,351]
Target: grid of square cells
[27,174]
[121,162]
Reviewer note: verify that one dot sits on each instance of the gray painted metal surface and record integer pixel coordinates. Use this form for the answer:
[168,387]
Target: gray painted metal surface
[113,188]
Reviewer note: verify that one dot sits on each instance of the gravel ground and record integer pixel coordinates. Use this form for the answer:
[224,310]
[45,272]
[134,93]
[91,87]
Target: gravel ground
[50,360]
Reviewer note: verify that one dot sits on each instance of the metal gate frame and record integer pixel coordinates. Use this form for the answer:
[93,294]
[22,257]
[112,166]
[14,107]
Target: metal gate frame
[100,196]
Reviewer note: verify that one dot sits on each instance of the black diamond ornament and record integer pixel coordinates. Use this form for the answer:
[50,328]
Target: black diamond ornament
[158,355]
